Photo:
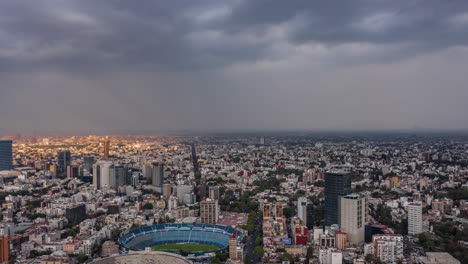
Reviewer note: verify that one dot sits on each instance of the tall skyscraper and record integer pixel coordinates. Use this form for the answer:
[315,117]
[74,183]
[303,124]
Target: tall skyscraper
[233,246]
[106,148]
[353,217]
[414,218]
[72,172]
[337,183]
[4,249]
[97,175]
[302,206]
[6,154]
[209,211]
[148,172]
[105,173]
[88,163]
[158,174]
[63,161]
[310,216]
[167,190]
[118,175]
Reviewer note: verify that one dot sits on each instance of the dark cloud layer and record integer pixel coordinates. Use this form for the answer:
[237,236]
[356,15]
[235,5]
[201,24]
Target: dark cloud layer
[234,64]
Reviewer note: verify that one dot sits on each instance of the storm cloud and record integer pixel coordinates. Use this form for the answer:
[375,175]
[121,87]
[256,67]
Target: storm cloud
[134,66]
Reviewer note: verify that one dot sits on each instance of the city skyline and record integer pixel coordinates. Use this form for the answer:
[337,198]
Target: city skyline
[234,132]
[79,66]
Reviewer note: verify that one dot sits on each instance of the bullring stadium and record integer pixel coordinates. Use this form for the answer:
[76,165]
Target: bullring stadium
[196,242]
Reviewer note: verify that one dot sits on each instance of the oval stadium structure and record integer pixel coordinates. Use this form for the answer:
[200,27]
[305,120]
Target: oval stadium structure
[144,258]
[204,234]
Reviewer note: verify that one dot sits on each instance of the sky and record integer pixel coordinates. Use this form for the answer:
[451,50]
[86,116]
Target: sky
[121,66]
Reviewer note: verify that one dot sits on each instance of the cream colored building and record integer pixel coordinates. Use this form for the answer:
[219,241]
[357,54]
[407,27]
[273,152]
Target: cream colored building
[353,217]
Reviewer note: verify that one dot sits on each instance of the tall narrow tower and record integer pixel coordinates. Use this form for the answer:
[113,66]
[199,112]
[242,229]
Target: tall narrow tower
[63,161]
[106,148]
[6,154]
[337,184]
[414,218]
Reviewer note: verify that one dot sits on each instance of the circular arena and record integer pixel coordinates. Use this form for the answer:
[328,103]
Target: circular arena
[193,241]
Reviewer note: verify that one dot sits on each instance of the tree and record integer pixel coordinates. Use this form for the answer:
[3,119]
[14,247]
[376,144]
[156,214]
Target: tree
[288,212]
[148,206]
[287,256]
[258,240]
[81,258]
[116,234]
[372,259]
[248,260]
[222,256]
[259,251]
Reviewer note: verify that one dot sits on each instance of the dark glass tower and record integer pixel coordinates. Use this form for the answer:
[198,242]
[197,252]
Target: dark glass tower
[63,161]
[310,216]
[337,183]
[6,154]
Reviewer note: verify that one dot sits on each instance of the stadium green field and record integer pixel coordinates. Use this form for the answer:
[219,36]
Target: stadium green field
[185,247]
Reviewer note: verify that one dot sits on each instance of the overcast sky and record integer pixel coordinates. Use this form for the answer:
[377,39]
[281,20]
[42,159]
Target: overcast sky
[117,66]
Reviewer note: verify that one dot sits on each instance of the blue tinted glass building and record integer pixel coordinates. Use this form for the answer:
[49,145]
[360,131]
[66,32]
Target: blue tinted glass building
[63,161]
[6,154]
[337,184]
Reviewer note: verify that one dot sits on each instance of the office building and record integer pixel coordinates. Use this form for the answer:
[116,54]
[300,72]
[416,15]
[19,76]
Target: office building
[302,209]
[106,149]
[214,192]
[118,175]
[6,155]
[4,249]
[172,203]
[233,246]
[63,161]
[157,174]
[97,175]
[185,194]
[167,190]
[330,256]
[88,163]
[414,218]
[72,172]
[102,174]
[135,179]
[75,213]
[147,172]
[337,183]
[388,247]
[353,217]
[209,211]
[341,239]
[310,216]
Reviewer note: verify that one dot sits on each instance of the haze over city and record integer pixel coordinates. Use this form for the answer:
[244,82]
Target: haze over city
[234,132]
[155,66]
